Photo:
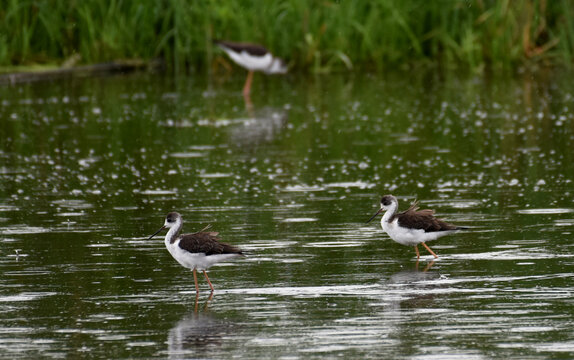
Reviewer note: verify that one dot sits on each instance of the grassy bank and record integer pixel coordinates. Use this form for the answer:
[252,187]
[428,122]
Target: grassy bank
[312,35]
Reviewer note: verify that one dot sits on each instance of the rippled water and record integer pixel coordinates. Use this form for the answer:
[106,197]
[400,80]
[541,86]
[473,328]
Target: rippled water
[88,169]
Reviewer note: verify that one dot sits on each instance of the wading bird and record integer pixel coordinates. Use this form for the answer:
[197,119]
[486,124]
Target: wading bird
[253,58]
[196,251]
[413,226]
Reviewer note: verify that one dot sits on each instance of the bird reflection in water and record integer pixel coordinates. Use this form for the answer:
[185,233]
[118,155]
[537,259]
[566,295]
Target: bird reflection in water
[261,127]
[196,307]
[412,288]
[196,333]
[407,294]
[427,268]
[408,277]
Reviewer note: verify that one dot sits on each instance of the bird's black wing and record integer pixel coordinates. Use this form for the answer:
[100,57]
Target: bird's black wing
[207,243]
[252,49]
[423,219]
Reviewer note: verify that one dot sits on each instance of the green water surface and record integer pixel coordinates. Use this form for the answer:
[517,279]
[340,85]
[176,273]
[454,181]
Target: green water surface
[90,167]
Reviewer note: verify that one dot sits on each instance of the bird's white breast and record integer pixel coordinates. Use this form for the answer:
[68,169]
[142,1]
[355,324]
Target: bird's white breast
[198,261]
[251,62]
[405,236]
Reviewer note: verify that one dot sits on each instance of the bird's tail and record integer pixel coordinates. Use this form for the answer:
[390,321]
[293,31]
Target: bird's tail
[246,253]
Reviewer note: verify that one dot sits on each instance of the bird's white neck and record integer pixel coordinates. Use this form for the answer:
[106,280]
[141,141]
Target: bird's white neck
[173,232]
[390,212]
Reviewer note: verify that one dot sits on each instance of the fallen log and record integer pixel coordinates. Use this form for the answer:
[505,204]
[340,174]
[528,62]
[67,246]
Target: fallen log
[114,67]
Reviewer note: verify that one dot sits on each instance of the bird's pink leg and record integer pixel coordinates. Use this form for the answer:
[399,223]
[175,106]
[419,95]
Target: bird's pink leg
[195,278]
[247,86]
[209,282]
[417,251]
[429,249]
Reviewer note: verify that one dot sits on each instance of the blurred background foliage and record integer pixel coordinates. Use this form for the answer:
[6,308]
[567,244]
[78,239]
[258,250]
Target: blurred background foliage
[313,36]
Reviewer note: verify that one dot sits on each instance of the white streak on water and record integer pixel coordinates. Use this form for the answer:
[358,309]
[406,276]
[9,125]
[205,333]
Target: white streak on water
[545,211]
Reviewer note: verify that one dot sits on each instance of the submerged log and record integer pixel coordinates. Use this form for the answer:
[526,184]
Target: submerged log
[114,67]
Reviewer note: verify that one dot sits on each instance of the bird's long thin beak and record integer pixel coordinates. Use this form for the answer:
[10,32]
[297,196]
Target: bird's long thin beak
[374,216]
[155,233]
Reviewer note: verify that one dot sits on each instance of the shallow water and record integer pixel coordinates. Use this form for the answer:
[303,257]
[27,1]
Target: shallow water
[89,168]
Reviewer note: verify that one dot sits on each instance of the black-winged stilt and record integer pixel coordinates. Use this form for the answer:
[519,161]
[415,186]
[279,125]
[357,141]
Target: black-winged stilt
[253,58]
[413,226]
[196,251]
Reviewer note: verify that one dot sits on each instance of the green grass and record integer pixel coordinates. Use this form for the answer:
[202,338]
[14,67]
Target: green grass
[315,36]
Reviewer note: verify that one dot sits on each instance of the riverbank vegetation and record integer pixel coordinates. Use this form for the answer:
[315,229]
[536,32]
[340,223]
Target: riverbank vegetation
[314,36]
